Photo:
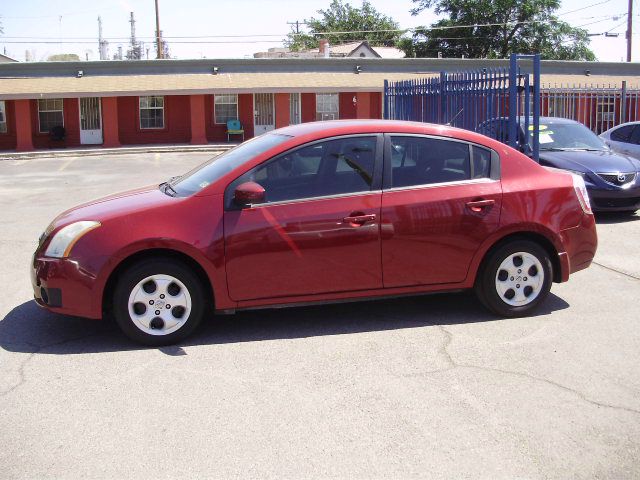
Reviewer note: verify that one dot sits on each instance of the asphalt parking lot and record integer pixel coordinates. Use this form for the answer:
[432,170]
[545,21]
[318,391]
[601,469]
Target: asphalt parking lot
[424,387]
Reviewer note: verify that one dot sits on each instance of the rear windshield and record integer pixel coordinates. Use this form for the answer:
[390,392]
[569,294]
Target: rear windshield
[205,174]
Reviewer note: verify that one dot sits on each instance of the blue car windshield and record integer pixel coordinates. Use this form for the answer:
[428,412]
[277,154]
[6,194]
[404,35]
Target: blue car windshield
[569,136]
[205,174]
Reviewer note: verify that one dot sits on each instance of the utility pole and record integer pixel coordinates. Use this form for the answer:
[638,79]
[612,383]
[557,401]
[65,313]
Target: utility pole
[629,30]
[103,45]
[297,24]
[159,45]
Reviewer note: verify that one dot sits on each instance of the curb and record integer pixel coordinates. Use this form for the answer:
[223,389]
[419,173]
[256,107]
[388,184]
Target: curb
[88,152]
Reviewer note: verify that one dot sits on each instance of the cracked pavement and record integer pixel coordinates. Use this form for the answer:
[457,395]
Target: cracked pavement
[422,387]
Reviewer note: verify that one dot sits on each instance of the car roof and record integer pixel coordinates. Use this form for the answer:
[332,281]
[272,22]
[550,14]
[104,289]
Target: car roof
[331,128]
[543,120]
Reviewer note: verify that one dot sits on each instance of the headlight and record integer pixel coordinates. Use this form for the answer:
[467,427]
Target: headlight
[63,241]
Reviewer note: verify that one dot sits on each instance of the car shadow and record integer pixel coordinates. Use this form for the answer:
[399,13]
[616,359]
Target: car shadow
[603,218]
[30,329]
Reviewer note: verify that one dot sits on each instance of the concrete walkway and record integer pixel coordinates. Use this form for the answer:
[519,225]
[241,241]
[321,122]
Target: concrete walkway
[89,151]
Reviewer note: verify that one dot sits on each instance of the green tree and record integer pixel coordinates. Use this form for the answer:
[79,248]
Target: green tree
[495,29]
[364,23]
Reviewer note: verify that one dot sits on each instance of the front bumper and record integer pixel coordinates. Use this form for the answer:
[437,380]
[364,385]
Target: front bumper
[63,286]
[615,199]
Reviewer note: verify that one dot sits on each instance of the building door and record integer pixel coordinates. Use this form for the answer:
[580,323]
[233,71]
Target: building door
[264,117]
[90,121]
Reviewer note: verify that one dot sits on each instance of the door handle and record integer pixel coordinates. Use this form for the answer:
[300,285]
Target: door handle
[480,205]
[357,219]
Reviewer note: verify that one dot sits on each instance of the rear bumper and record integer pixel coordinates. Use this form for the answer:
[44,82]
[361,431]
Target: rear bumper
[62,286]
[615,199]
[580,243]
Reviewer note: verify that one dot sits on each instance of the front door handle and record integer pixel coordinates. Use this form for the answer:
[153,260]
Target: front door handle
[479,205]
[359,219]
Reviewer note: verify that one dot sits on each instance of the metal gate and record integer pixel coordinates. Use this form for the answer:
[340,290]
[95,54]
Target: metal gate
[500,102]
[263,113]
[90,121]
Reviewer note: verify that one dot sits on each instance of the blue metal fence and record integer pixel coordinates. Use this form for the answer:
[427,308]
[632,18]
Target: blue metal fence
[472,99]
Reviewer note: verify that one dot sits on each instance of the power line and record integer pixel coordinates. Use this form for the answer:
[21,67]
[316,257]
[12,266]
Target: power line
[584,8]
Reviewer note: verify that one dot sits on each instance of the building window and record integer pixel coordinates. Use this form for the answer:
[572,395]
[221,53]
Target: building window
[225,108]
[151,112]
[327,106]
[50,114]
[294,108]
[3,118]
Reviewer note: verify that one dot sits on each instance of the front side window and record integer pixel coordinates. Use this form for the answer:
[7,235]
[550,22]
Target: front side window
[3,117]
[50,114]
[327,106]
[225,108]
[151,112]
[423,160]
[331,167]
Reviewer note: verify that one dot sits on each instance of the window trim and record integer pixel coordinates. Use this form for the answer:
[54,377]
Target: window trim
[164,123]
[337,112]
[46,132]
[376,182]
[494,172]
[237,102]
[3,107]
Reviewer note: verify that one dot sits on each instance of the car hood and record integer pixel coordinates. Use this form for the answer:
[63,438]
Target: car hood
[600,162]
[112,206]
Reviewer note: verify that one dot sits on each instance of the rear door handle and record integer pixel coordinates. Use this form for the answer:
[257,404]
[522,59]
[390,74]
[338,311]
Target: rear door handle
[359,219]
[480,205]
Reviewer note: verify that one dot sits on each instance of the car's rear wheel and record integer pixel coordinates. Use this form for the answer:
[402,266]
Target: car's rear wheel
[158,302]
[515,278]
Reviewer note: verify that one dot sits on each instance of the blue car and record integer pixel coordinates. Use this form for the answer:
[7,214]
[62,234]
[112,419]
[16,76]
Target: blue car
[612,179]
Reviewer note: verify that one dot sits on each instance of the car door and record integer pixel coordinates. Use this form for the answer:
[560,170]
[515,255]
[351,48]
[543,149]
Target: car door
[318,229]
[441,199]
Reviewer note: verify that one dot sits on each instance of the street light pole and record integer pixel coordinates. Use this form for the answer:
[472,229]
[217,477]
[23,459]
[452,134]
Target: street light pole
[629,30]
[158,39]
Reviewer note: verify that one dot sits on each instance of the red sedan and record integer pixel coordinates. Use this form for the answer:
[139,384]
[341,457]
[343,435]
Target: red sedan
[320,212]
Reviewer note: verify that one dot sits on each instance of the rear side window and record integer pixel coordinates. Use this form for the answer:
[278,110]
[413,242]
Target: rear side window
[622,134]
[331,167]
[481,162]
[421,161]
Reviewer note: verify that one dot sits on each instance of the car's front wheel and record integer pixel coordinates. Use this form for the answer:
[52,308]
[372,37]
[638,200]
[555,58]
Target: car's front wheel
[515,278]
[158,302]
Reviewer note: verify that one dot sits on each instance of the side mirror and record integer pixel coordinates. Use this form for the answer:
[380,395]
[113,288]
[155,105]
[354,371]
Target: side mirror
[248,193]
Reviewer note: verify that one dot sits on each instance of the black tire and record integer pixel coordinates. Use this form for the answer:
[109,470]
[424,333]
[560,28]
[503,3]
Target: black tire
[488,281]
[158,267]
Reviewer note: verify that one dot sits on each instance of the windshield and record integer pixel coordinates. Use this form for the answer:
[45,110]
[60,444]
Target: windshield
[569,136]
[210,171]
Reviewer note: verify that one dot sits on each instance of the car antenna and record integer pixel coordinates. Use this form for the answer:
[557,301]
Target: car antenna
[448,124]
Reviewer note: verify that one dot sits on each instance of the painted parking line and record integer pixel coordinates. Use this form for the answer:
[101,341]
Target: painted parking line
[66,164]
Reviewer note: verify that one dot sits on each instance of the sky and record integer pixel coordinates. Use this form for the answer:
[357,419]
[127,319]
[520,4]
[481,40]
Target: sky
[237,28]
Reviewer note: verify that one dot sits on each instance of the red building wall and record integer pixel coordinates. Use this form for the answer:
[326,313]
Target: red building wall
[8,140]
[308,107]
[376,105]
[347,106]
[218,132]
[177,122]
[71,116]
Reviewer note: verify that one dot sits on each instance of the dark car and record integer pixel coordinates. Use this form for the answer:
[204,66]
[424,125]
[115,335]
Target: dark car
[612,179]
[320,212]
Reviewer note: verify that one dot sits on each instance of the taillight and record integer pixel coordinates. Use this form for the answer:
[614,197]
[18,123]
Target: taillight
[581,193]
